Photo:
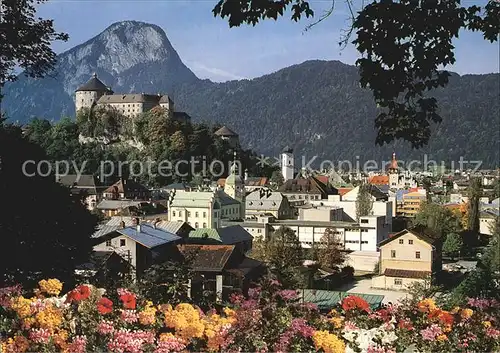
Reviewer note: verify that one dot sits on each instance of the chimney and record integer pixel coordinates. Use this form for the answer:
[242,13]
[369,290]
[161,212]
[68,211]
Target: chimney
[122,224]
[138,228]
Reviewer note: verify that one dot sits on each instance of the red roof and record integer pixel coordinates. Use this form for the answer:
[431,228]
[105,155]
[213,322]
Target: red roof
[379,180]
[221,182]
[393,272]
[323,179]
[343,191]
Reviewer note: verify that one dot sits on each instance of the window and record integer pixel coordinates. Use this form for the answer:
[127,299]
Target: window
[398,282]
[204,215]
[196,225]
[204,225]
[393,253]
[189,213]
[180,213]
[122,242]
[417,254]
[401,241]
[173,213]
[196,214]
[259,230]
[108,242]
[410,241]
[364,221]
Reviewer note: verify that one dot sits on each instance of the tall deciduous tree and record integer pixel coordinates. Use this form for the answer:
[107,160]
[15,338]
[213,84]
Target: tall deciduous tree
[25,40]
[46,232]
[475,192]
[438,218]
[403,45]
[364,202]
[452,245]
[330,253]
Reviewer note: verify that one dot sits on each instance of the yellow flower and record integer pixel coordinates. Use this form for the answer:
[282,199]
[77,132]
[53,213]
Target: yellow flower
[447,328]
[22,306]
[487,324]
[455,310]
[18,344]
[51,286]
[466,313]
[49,318]
[185,320]
[442,338]
[328,342]
[337,322]
[427,305]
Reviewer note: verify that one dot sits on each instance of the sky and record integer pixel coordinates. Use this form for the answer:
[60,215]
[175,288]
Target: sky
[213,50]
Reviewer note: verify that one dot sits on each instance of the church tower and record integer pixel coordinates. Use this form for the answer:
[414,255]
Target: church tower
[235,186]
[393,172]
[88,94]
[287,168]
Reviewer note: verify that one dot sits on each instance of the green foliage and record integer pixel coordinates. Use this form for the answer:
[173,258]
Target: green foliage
[330,254]
[45,230]
[452,245]
[277,179]
[438,218]
[364,202]
[26,41]
[402,54]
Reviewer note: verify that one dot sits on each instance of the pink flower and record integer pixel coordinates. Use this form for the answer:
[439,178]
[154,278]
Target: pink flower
[130,341]
[375,349]
[124,291]
[7,293]
[431,332]
[129,316]
[493,333]
[298,327]
[105,327]
[40,335]
[79,345]
[351,326]
[169,343]
[288,294]
[254,293]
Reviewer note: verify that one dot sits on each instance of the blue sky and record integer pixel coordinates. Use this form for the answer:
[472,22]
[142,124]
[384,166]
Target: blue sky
[212,50]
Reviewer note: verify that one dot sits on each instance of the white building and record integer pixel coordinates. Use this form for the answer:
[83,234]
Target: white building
[287,163]
[199,209]
[381,205]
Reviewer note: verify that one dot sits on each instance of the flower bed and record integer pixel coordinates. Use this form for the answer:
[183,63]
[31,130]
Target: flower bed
[269,319]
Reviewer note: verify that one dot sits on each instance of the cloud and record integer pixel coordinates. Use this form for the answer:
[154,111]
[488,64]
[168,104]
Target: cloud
[213,73]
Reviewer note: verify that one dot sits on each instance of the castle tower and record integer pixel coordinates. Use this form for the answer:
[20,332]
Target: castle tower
[235,186]
[287,168]
[228,135]
[393,172]
[88,94]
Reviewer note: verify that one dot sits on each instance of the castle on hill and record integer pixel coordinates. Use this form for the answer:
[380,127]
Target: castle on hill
[96,93]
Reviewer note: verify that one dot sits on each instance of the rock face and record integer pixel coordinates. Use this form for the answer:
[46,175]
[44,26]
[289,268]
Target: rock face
[316,107]
[129,56]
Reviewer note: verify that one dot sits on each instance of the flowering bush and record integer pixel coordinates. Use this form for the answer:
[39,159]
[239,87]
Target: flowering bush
[268,319]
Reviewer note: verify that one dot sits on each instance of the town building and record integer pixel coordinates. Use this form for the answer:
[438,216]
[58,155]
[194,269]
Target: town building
[235,187]
[267,202]
[487,219]
[411,203]
[303,189]
[232,235]
[407,257]
[199,209]
[84,185]
[126,189]
[141,245]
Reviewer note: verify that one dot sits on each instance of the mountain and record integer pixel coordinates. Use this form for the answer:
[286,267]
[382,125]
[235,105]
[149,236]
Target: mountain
[317,107]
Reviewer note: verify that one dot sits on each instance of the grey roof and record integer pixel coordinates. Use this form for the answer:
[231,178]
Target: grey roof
[225,131]
[149,236]
[490,213]
[114,224]
[94,84]
[129,98]
[165,99]
[116,204]
[200,199]
[287,149]
[264,199]
[225,199]
[86,180]
[228,235]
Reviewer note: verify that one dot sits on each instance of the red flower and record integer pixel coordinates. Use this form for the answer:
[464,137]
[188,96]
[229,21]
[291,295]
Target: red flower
[128,301]
[81,292]
[353,302]
[405,324]
[104,306]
